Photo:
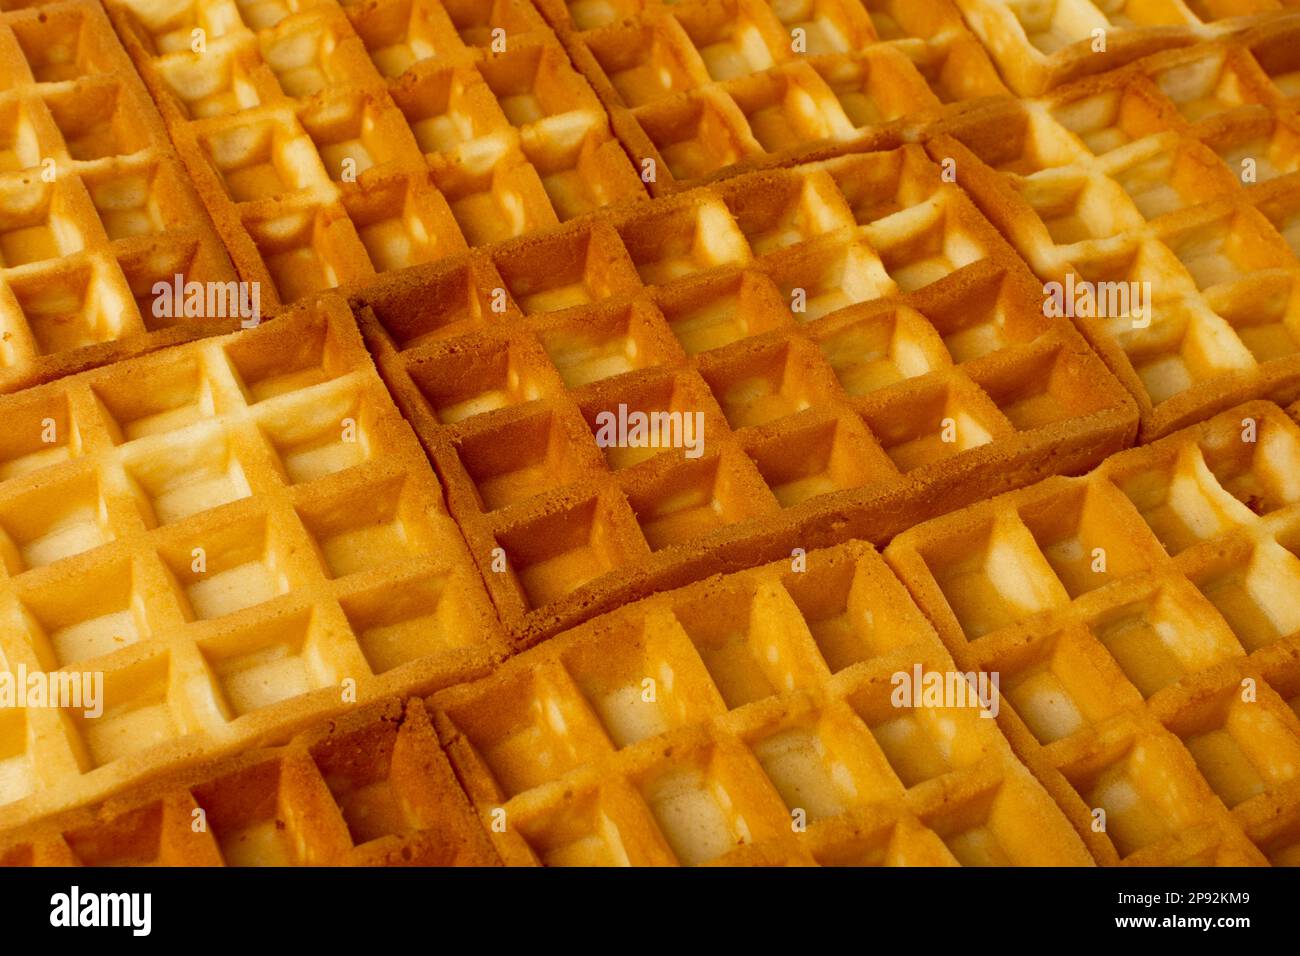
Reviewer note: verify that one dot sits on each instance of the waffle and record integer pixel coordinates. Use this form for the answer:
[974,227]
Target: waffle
[333,144]
[710,88]
[94,206]
[370,788]
[1144,622]
[856,347]
[1135,179]
[240,534]
[745,720]
[1040,45]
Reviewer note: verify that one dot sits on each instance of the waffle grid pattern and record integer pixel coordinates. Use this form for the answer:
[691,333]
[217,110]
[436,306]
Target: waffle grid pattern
[887,394]
[229,532]
[334,143]
[371,788]
[711,88]
[745,720]
[94,206]
[1143,619]
[1177,173]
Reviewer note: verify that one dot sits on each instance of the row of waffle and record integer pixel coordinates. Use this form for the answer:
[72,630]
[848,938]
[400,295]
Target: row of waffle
[1141,619]
[243,538]
[332,144]
[744,720]
[242,534]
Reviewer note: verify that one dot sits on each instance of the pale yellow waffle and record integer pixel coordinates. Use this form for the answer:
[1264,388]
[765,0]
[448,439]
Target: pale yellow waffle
[1174,179]
[1145,620]
[94,206]
[851,346]
[1039,44]
[240,535]
[334,143]
[746,720]
[370,788]
[708,88]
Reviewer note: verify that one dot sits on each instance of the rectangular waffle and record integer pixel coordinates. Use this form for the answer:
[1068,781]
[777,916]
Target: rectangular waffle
[1144,622]
[746,720]
[709,88]
[370,788]
[1178,172]
[240,534]
[860,349]
[94,206]
[335,143]
[1040,44]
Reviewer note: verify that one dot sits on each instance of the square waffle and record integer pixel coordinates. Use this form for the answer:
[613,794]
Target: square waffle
[855,346]
[370,788]
[1145,624]
[1039,44]
[746,720]
[94,206]
[709,88]
[1176,175]
[336,143]
[240,534]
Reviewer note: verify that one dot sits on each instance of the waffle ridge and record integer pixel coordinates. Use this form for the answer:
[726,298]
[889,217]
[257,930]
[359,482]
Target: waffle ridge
[240,534]
[95,208]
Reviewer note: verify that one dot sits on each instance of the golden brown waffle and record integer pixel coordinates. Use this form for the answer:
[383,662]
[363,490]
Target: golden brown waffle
[707,88]
[920,372]
[240,534]
[746,719]
[370,788]
[1135,179]
[1145,624]
[94,206]
[335,143]
[1039,44]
